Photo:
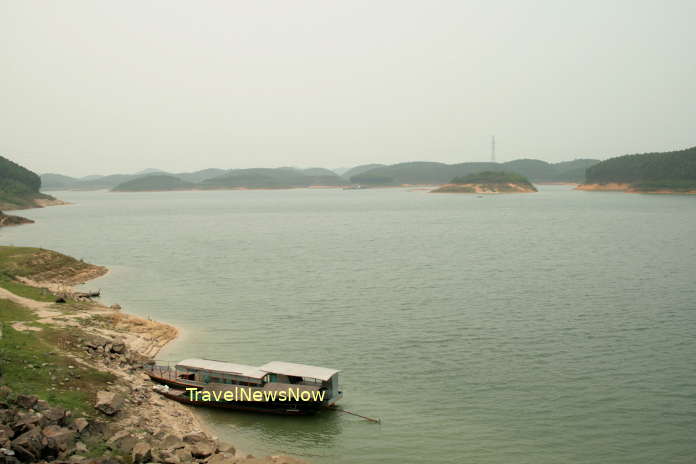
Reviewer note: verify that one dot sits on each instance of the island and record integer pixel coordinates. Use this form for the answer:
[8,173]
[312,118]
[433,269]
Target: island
[666,172]
[488,182]
[154,183]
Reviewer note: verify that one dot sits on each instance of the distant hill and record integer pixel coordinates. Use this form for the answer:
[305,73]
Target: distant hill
[488,182]
[156,182]
[418,172]
[270,178]
[673,171]
[422,172]
[357,170]
[57,182]
[149,171]
[19,187]
[200,176]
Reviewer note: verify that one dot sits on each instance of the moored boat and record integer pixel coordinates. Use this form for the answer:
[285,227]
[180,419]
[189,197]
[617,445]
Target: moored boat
[276,387]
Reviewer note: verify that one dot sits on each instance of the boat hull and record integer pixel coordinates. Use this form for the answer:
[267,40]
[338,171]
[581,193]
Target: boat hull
[179,393]
[282,408]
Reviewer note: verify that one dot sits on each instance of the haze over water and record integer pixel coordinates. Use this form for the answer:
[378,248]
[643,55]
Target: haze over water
[536,328]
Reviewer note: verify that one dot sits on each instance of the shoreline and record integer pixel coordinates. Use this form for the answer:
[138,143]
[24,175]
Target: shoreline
[94,331]
[628,188]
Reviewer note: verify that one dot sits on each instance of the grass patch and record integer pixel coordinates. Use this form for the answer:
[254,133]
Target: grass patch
[12,312]
[18,288]
[32,363]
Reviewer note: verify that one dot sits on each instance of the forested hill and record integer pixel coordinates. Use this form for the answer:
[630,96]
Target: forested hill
[422,172]
[675,170]
[19,187]
[155,182]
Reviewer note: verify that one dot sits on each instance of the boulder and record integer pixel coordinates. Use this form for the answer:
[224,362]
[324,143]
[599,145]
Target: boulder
[6,434]
[27,421]
[122,441]
[203,449]
[41,405]
[168,457]
[27,446]
[118,347]
[195,437]
[108,402]
[55,415]
[227,448]
[79,424]
[184,455]
[171,442]
[58,438]
[142,453]
[26,401]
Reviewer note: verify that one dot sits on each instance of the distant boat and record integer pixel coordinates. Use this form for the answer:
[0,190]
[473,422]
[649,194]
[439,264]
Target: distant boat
[306,389]
[355,187]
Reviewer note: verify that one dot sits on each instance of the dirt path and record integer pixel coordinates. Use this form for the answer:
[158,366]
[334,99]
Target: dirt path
[26,302]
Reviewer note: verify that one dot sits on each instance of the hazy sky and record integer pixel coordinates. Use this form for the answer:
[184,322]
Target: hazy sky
[102,87]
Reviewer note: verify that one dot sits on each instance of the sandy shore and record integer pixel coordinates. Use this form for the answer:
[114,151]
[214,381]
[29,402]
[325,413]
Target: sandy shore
[627,188]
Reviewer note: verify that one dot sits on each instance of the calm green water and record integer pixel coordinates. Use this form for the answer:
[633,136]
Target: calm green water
[541,328]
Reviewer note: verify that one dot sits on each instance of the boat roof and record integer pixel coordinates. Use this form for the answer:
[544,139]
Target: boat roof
[298,370]
[224,367]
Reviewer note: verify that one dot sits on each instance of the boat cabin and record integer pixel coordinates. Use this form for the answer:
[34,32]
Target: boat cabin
[206,371]
[273,375]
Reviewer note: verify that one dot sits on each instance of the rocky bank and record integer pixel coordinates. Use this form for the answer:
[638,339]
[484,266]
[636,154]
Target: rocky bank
[126,421]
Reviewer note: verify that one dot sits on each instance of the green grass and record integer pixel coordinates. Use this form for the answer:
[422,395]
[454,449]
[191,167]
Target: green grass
[18,288]
[12,312]
[31,363]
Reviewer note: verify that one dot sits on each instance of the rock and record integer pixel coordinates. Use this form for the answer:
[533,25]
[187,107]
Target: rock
[142,453]
[184,455]
[203,449]
[56,415]
[27,447]
[81,448]
[27,421]
[221,458]
[77,458]
[170,442]
[6,434]
[195,437]
[115,306]
[123,441]
[118,347]
[58,438]
[108,402]
[97,428]
[41,405]
[227,448]
[95,341]
[79,424]
[168,457]
[26,401]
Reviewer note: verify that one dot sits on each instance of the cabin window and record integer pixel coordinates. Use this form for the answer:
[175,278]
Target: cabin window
[187,376]
[215,380]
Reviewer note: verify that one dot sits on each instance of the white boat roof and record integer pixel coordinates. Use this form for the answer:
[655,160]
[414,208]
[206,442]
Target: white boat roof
[224,367]
[298,370]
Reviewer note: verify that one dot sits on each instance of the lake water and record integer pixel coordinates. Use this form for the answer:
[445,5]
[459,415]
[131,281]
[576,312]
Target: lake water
[538,328]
